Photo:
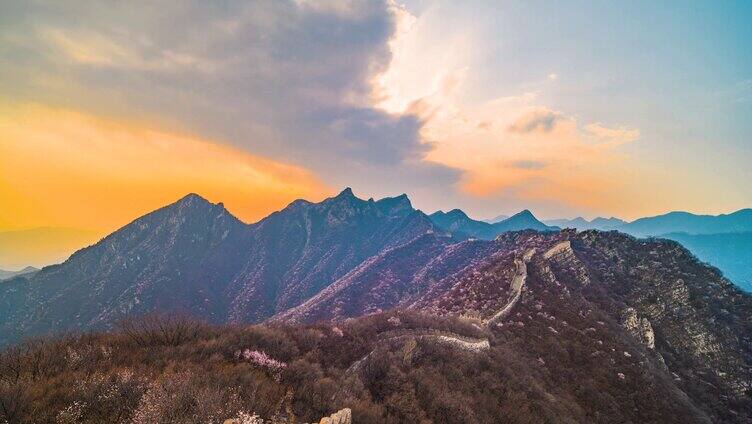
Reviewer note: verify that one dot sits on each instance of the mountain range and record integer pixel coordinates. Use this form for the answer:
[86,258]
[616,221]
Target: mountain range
[341,257]
[672,222]
[605,305]
[458,223]
[4,275]
[721,240]
[195,256]
[603,224]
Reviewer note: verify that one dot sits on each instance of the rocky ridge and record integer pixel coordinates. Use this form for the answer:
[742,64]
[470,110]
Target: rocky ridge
[638,303]
[193,257]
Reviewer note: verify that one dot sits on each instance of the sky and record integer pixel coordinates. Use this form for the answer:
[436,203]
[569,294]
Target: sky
[109,110]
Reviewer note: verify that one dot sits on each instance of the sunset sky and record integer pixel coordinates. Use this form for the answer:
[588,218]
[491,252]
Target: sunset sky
[627,109]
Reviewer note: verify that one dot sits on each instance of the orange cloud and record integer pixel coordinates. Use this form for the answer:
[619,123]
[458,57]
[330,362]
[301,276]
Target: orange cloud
[613,136]
[60,168]
[512,147]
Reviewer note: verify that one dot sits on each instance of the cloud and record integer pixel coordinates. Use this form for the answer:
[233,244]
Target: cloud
[619,135]
[289,79]
[528,164]
[87,48]
[538,120]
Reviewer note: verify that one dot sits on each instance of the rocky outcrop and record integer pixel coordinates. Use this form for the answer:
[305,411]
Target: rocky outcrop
[639,328]
[686,313]
[343,416]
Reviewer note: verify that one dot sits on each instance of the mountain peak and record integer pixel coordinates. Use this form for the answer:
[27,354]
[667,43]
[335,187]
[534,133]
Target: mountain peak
[347,192]
[452,214]
[523,220]
[190,205]
[525,213]
[393,205]
[457,213]
[192,199]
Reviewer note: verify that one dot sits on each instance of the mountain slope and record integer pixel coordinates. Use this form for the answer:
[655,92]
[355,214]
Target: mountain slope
[496,219]
[195,257]
[673,222]
[729,252]
[305,247]
[175,258]
[390,368]
[394,279]
[631,306]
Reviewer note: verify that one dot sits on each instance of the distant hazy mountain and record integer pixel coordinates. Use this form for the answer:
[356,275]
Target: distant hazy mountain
[4,275]
[729,252]
[496,219]
[460,225]
[673,222]
[685,222]
[524,220]
[41,246]
[581,224]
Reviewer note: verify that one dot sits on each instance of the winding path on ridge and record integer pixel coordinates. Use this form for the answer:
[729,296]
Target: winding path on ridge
[518,281]
[470,344]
